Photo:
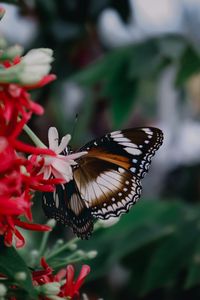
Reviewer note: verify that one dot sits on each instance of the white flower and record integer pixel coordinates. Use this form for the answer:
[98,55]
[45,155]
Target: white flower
[60,165]
[31,69]
[36,64]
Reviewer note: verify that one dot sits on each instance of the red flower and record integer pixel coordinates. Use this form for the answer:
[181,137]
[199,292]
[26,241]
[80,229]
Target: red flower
[15,98]
[12,234]
[70,288]
[18,178]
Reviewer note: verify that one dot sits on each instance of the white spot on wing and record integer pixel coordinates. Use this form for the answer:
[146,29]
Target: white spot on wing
[45,200]
[129,145]
[121,170]
[56,200]
[133,170]
[133,151]
[147,131]
[114,133]
[121,139]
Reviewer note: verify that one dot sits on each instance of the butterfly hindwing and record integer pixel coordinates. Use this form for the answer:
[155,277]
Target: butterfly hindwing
[66,207]
[108,190]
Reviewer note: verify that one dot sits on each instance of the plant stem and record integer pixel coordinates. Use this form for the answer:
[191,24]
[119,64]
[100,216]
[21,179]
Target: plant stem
[68,261]
[43,243]
[67,245]
[33,137]
[62,248]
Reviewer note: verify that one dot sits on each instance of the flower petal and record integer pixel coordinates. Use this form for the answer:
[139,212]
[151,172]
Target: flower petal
[64,142]
[63,167]
[76,155]
[85,270]
[53,138]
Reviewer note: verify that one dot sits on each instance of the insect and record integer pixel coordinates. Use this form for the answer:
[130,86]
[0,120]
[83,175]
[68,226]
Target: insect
[106,181]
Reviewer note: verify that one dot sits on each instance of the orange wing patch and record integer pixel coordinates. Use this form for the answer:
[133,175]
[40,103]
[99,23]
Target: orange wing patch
[121,161]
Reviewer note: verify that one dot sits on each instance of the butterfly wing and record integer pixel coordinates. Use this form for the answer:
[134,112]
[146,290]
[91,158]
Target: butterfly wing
[67,207]
[109,176]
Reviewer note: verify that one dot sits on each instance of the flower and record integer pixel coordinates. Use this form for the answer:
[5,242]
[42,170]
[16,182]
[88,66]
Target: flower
[18,177]
[36,65]
[67,288]
[71,287]
[59,165]
[29,69]
[12,234]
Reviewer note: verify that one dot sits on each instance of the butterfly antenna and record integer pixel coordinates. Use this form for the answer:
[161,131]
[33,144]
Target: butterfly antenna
[74,127]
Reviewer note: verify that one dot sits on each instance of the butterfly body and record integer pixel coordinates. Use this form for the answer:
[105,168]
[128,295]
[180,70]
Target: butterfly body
[106,181]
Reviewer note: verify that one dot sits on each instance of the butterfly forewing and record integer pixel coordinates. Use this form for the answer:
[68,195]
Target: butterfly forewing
[130,148]
[108,177]
[66,207]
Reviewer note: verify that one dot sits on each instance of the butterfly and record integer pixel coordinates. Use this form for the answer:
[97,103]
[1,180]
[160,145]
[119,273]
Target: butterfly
[106,181]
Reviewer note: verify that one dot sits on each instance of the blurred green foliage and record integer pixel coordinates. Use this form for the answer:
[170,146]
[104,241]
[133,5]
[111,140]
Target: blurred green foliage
[156,242]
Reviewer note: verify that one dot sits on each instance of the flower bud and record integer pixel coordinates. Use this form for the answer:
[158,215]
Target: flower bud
[52,288]
[80,253]
[36,65]
[32,68]
[51,223]
[60,242]
[107,223]
[92,254]
[20,276]
[3,290]
[72,247]
[11,52]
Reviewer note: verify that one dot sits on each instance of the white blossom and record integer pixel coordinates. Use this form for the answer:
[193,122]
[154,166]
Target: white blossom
[60,166]
[35,65]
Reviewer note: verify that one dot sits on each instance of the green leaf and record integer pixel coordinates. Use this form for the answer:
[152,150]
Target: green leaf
[145,59]
[121,89]
[189,65]
[170,258]
[122,92]
[147,222]
[11,264]
[172,46]
[103,68]
[155,242]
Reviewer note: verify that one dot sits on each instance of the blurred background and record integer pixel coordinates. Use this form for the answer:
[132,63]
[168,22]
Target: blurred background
[123,64]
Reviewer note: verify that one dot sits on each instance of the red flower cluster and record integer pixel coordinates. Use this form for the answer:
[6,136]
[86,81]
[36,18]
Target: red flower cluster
[68,287]
[18,175]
